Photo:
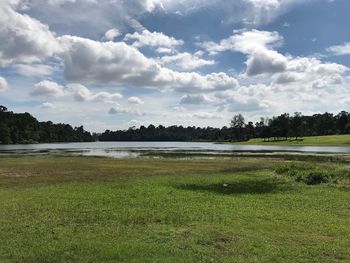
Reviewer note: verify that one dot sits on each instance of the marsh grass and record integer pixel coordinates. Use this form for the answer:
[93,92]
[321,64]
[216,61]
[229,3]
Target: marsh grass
[315,174]
[78,209]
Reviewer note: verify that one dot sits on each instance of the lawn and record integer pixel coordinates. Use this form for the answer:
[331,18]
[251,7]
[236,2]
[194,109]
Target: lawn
[86,209]
[330,140]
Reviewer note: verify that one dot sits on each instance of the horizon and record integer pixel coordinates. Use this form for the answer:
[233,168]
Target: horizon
[165,62]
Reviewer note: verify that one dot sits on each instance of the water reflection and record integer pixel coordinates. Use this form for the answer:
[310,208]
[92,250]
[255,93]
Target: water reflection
[134,149]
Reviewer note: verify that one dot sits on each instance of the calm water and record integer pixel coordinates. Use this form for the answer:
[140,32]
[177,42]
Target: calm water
[134,149]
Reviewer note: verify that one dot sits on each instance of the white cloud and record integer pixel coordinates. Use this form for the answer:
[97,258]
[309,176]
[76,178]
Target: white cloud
[152,39]
[47,88]
[257,46]
[135,100]
[3,84]
[186,61]
[247,11]
[82,93]
[24,39]
[91,61]
[47,105]
[203,115]
[245,41]
[265,61]
[340,50]
[111,34]
[33,70]
[118,110]
[286,77]
[110,13]
[164,50]
[240,101]
[195,99]
[262,59]
[207,115]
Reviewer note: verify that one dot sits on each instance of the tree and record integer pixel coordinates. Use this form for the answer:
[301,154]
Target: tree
[342,120]
[297,127]
[237,124]
[24,128]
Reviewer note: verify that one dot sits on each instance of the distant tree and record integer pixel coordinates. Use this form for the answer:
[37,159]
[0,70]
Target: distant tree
[297,127]
[237,124]
[24,128]
[280,127]
[342,119]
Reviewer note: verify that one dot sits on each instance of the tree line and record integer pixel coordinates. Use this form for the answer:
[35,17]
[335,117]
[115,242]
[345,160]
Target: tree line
[23,128]
[17,128]
[282,127]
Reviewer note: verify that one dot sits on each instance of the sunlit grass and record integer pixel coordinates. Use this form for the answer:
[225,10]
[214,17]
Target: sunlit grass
[331,140]
[168,210]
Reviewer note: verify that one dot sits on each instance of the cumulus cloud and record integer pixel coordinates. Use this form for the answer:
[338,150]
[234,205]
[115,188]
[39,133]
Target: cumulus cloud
[203,115]
[3,84]
[164,50]
[245,41]
[47,88]
[118,110]
[25,39]
[104,62]
[152,39]
[135,100]
[207,115]
[91,61]
[82,93]
[111,34]
[340,50]
[108,13]
[33,70]
[47,105]
[195,99]
[236,101]
[265,61]
[247,11]
[186,61]
[257,46]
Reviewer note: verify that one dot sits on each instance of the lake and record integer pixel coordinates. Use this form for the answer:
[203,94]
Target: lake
[134,149]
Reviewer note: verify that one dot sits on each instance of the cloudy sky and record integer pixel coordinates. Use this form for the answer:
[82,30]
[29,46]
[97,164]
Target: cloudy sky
[115,63]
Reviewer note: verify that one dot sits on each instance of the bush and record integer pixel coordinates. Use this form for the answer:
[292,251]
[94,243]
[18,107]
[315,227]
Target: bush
[316,178]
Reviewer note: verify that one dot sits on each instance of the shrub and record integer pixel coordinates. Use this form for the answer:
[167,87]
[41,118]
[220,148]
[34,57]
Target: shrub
[314,178]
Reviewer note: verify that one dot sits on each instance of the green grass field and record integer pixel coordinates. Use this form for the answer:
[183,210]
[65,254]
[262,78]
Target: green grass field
[78,209]
[330,140]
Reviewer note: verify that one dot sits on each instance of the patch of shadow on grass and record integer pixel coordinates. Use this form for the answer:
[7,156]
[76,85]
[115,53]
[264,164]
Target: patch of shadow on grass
[265,186]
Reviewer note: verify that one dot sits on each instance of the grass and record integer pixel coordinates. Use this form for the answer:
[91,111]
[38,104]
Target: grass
[330,140]
[78,209]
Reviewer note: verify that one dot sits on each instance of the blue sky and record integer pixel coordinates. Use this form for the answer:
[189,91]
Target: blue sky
[113,64]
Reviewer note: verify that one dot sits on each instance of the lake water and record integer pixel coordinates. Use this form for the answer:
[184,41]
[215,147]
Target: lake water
[134,149]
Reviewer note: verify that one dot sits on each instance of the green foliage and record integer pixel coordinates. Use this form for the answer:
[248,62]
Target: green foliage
[313,175]
[281,129]
[316,178]
[23,128]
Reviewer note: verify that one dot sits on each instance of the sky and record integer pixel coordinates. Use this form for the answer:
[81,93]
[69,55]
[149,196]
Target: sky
[114,64]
